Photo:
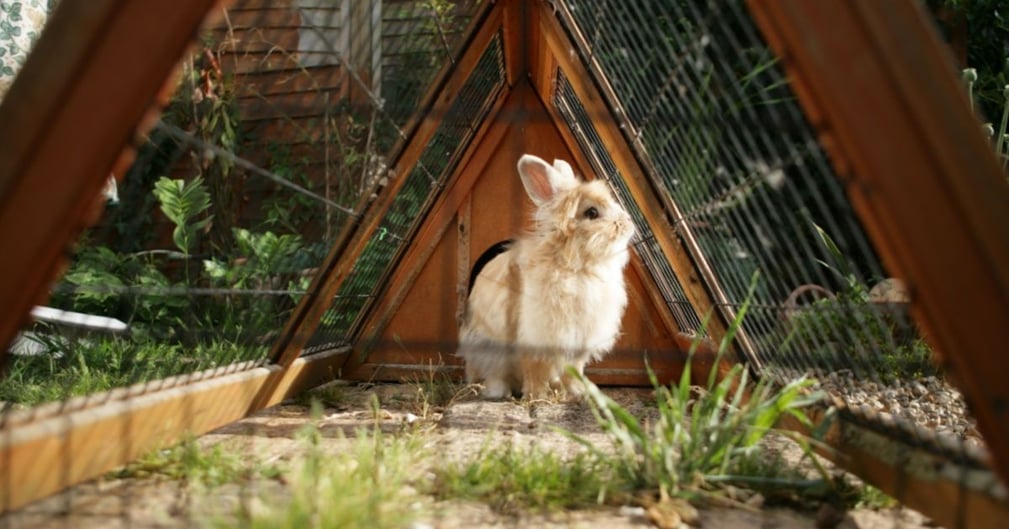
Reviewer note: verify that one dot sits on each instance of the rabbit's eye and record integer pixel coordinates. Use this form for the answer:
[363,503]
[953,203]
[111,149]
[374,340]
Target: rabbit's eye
[591,213]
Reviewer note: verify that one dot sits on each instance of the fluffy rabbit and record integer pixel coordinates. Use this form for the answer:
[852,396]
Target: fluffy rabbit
[554,297]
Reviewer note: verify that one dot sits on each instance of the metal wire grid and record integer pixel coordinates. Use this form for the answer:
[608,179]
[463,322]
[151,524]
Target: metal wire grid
[577,117]
[288,133]
[423,185]
[708,108]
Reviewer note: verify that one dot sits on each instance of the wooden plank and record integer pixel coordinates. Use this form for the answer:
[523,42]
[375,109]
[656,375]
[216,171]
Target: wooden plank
[952,494]
[384,372]
[75,76]
[355,236]
[516,38]
[626,368]
[883,83]
[238,18]
[652,202]
[79,441]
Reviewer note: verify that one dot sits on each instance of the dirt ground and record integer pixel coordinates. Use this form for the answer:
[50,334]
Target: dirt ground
[459,430]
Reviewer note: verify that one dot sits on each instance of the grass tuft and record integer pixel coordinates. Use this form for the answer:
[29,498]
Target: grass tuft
[189,462]
[370,485]
[511,479]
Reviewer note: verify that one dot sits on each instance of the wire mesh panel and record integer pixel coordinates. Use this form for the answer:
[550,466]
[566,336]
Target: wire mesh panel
[714,119]
[577,117]
[422,187]
[283,122]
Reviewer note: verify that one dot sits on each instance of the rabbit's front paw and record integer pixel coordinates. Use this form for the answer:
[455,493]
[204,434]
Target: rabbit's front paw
[495,389]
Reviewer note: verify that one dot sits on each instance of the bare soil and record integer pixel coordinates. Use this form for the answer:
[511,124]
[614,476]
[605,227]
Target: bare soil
[458,430]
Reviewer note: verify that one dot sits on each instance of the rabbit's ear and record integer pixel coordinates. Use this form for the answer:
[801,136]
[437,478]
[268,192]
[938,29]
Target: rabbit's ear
[565,168]
[542,182]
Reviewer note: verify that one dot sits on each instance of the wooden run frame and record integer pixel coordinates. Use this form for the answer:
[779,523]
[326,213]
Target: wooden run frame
[138,419]
[876,81]
[842,57]
[75,76]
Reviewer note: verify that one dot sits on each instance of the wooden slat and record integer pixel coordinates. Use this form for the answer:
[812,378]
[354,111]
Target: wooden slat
[954,495]
[65,122]
[88,442]
[516,39]
[554,46]
[922,178]
[386,372]
[355,235]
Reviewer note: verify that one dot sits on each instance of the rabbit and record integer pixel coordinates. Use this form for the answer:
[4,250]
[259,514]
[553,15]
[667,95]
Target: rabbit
[552,298]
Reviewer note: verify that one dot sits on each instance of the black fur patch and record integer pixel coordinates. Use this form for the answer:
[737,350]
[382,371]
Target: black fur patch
[486,257]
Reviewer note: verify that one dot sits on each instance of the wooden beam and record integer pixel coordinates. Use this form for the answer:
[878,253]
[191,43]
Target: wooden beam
[89,81]
[554,48]
[952,494]
[515,25]
[879,85]
[92,440]
[355,235]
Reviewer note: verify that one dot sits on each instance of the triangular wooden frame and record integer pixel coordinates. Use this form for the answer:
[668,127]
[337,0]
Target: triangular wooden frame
[969,225]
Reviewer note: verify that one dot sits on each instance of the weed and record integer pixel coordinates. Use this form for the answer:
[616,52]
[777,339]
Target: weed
[703,438]
[512,479]
[191,463]
[870,497]
[436,391]
[849,331]
[696,444]
[369,485]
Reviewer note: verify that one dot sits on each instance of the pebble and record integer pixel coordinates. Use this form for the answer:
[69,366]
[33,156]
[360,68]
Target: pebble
[930,403]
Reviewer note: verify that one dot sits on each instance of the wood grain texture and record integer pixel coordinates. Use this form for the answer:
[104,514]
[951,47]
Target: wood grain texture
[53,452]
[952,494]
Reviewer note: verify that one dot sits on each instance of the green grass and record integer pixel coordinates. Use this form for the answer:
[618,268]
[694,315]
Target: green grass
[370,485]
[189,462]
[97,364]
[435,391]
[870,497]
[697,444]
[703,439]
[511,479]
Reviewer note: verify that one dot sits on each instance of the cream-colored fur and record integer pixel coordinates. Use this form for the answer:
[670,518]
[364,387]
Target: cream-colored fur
[555,298]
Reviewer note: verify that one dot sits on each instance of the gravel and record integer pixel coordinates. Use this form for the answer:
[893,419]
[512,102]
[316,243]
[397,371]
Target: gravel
[928,409]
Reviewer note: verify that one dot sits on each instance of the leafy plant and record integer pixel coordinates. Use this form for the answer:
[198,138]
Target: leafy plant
[849,331]
[182,202]
[699,443]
